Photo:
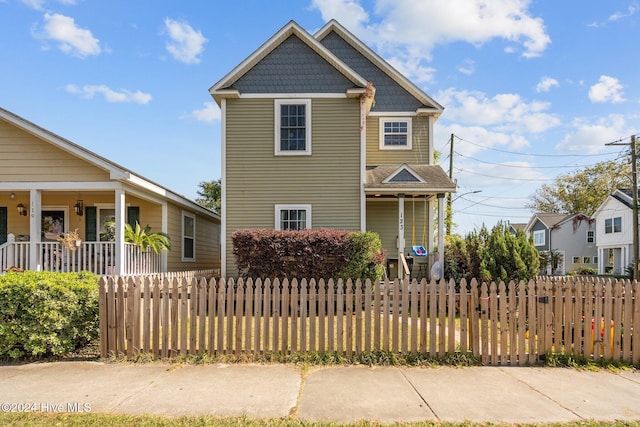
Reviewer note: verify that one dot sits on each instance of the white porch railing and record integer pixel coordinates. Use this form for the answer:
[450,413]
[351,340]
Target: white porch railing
[138,262]
[97,257]
[14,255]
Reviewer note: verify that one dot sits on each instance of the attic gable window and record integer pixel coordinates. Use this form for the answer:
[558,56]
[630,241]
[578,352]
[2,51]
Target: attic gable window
[292,126]
[395,133]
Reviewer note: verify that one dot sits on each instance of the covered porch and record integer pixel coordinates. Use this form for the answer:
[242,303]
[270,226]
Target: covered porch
[401,203]
[56,229]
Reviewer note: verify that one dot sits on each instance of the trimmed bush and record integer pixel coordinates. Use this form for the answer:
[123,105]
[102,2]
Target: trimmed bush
[324,253]
[47,314]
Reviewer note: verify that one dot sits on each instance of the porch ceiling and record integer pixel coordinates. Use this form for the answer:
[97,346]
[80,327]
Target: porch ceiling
[431,180]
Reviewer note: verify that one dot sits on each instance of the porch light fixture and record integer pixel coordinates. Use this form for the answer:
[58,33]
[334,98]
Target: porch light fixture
[79,207]
[21,210]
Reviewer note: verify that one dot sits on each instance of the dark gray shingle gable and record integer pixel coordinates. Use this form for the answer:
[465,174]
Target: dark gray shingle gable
[390,96]
[293,67]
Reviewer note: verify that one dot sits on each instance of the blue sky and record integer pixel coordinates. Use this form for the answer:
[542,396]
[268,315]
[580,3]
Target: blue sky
[531,89]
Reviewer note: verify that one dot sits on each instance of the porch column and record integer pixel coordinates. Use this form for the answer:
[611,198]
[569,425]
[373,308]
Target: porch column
[165,229]
[441,221]
[35,229]
[400,234]
[119,231]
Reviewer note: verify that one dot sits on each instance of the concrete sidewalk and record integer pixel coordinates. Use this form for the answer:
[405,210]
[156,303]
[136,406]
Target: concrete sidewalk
[343,394]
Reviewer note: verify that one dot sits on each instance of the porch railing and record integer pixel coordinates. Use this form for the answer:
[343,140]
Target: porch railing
[97,257]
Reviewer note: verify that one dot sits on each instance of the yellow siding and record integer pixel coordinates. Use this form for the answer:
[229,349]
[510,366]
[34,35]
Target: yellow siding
[24,157]
[419,154]
[256,179]
[207,242]
[382,218]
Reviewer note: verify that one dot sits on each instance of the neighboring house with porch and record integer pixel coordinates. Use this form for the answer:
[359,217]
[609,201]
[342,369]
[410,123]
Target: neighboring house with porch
[614,232]
[50,186]
[318,131]
[568,240]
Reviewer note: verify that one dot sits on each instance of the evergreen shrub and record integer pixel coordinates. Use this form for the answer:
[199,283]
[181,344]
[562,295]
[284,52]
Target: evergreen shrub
[47,314]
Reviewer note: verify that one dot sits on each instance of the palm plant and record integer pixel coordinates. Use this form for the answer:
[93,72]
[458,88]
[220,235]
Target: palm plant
[143,238]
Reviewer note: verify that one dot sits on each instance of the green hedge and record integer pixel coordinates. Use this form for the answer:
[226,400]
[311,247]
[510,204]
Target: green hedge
[45,314]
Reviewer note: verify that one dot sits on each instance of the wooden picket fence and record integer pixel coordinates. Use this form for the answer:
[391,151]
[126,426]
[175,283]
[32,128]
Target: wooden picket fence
[503,324]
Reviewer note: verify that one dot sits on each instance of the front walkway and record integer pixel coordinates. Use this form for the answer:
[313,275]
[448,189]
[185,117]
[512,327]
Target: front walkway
[344,394]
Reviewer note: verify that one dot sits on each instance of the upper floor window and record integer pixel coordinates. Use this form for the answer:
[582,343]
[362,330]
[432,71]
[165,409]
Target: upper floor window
[293,217]
[613,225]
[395,134]
[188,237]
[293,126]
[591,236]
[538,238]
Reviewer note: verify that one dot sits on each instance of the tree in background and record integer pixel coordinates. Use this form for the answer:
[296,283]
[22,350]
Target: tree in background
[496,256]
[584,190]
[210,193]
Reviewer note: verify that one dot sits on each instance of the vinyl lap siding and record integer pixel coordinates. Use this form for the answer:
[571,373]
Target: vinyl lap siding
[207,242]
[419,154]
[382,218]
[256,179]
[24,157]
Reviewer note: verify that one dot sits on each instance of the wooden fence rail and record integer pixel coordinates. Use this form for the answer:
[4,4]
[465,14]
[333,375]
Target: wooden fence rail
[503,324]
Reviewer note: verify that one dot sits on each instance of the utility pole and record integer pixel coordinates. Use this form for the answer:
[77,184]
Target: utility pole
[449,217]
[634,192]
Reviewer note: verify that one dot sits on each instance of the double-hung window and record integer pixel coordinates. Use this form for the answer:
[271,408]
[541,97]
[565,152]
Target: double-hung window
[293,126]
[538,238]
[188,237]
[293,217]
[395,133]
[591,236]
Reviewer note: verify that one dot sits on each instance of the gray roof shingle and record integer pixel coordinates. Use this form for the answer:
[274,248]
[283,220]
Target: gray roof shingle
[292,67]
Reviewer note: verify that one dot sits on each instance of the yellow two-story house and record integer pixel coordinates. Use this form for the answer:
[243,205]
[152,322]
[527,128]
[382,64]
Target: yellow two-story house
[318,131]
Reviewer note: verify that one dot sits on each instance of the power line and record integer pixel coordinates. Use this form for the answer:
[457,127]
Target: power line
[537,155]
[489,206]
[522,166]
[504,178]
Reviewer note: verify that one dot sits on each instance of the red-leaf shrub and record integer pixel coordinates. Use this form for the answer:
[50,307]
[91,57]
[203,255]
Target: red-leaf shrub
[324,253]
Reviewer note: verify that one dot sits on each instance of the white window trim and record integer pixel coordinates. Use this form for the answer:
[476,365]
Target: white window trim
[538,233]
[279,208]
[407,120]
[182,236]
[593,236]
[292,101]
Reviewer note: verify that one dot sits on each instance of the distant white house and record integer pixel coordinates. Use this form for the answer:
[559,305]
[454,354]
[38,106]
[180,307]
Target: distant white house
[614,232]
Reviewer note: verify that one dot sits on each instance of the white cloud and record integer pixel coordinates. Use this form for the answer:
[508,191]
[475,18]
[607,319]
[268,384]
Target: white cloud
[71,39]
[186,43]
[408,30]
[608,89]
[39,4]
[590,136]
[467,67]
[546,83]
[504,112]
[209,113]
[348,12]
[631,10]
[110,95]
